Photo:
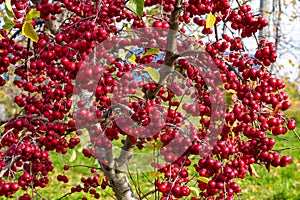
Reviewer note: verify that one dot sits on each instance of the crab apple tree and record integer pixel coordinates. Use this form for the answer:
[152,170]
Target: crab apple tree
[167,89]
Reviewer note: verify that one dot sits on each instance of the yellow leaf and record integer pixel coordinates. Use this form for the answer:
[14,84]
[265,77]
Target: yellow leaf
[230,96]
[73,156]
[101,179]
[8,5]
[33,13]
[210,20]
[253,171]
[29,32]
[276,110]
[180,69]
[132,59]
[156,174]
[73,134]
[203,179]
[1,36]
[232,136]
[194,191]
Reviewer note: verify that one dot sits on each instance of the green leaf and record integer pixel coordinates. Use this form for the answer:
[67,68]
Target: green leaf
[230,96]
[194,191]
[159,144]
[152,51]
[153,11]
[8,8]
[149,146]
[153,73]
[8,23]
[139,93]
[33,13]
[154,145]
[231,91]
[180,69]
[101,179]
[29,32]
[84,141]
[210,20]
[203,179]
[73,156]
[137,161]
[137,6]
[148,159]
[132,59]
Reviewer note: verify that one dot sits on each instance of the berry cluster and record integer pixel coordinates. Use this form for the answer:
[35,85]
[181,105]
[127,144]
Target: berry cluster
[244,20]
[186,115]
[266,53]
[88,185]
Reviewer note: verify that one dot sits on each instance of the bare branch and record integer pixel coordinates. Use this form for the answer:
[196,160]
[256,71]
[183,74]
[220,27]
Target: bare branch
[9,165]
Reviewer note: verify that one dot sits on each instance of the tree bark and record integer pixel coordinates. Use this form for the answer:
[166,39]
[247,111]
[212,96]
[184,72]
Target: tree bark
[265,7]
[116,172]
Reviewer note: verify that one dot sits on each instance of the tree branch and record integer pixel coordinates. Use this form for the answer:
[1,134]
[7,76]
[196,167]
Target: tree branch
[125,155]
[171,49]
[149,193]
[9,165]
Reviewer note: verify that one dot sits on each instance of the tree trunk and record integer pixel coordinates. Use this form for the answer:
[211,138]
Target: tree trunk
[265,8]
[116,172]
[120,185]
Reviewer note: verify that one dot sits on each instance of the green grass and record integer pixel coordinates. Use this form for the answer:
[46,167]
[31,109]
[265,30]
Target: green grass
[279,184]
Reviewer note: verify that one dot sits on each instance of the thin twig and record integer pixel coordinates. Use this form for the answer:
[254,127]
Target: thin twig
[65,195]
[15,34]
[296,134]
[137,189]
[81,165]
[177,176]
[149,193]
[216,32]
[8,166]
[288,148]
